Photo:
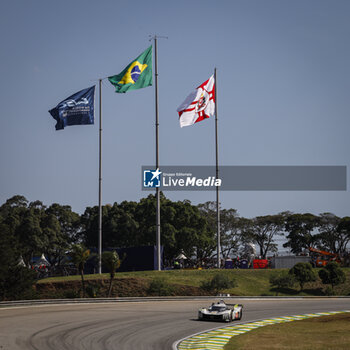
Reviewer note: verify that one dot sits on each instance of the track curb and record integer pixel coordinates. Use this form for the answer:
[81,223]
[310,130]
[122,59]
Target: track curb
[217,338]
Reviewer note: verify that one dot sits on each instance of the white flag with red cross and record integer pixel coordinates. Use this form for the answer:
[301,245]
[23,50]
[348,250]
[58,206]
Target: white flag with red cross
[198,105]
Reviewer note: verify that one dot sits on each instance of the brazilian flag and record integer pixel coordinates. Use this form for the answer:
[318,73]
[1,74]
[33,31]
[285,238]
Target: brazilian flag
[137,75]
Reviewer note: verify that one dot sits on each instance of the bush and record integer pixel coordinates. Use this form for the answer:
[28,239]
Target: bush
[92,290]
[218,283]
[332,274]
[329,291]
[71,294]
[160,287]
[303,273]
[282,280]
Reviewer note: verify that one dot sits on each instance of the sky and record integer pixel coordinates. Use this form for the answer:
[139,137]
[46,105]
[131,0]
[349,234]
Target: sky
[283,82]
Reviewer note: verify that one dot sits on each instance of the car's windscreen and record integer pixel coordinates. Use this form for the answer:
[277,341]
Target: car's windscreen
[217,308]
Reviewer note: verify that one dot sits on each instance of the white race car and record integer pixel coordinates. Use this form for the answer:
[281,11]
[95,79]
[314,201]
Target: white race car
[221,311]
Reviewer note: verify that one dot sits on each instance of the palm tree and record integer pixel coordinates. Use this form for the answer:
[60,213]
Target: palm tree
[111,262]
[80,254]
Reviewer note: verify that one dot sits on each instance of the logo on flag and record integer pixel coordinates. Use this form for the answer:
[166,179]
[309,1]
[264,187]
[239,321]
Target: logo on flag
[137,75]
[77,109]
[152,178]
[133,73]
[198,105]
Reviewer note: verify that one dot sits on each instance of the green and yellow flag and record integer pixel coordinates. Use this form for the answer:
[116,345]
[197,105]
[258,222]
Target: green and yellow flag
[137,75]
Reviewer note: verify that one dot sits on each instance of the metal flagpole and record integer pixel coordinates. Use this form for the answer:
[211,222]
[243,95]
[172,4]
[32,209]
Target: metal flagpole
[159,267]
[159,262]
[217,175]
[100,187]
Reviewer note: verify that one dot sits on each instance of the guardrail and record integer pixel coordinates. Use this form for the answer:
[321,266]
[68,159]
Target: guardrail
[145,299]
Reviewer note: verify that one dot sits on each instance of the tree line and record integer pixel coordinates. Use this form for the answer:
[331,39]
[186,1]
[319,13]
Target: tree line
[29,229]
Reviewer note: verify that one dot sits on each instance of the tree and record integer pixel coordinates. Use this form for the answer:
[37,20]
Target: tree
[111,261]
[128,227]
[194,235]
[334,234]
[262,231]
[230,232]
[326,239]
[343,235]
[16,201]
[128,224]
[89,222]
[37,229]
[68,219]
[33,240]
[206,247]
[16,281]
[12,214]
[55,244]
[80,255]
[332,274]
[303,273]
[300,228]
[183,228]
[34,227]
[145,214]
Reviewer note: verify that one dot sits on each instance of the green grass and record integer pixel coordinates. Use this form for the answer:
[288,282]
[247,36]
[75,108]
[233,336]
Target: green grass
[249,282]
[319,333]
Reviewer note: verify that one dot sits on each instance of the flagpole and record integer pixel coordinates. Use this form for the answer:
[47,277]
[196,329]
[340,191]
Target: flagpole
[158,242]
[100,186]
[217,175]
[157,156]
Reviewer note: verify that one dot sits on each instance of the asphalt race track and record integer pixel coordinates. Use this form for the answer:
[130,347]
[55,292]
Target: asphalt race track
[151,325]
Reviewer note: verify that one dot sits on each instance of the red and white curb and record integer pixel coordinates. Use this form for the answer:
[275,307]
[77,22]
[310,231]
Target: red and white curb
[217,338]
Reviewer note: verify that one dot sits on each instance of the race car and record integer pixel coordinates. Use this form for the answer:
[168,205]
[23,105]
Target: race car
[221,311]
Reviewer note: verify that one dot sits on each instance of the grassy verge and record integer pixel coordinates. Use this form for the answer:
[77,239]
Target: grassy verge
[319,333]
[249,282]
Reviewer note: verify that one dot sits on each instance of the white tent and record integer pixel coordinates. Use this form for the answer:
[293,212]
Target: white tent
[21,262]
[181,257]
[42,261]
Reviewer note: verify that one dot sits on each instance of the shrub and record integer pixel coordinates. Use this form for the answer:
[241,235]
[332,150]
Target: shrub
[303,273]
[159,286]
[92,290]
[332,274]
[71,294]
[329,291]
[218,283]
[282,279]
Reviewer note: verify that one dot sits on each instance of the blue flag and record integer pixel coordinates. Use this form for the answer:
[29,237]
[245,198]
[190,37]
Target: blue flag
[77,109]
